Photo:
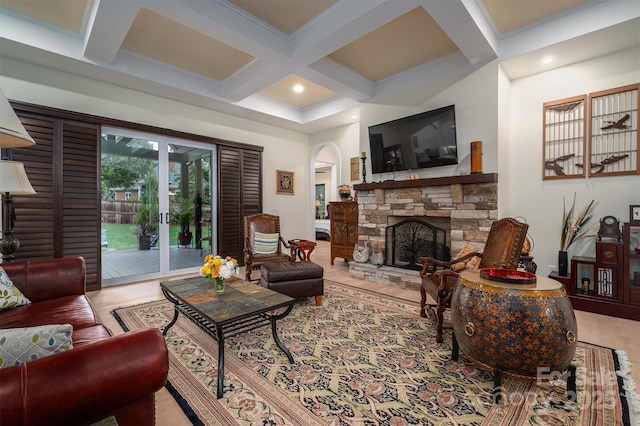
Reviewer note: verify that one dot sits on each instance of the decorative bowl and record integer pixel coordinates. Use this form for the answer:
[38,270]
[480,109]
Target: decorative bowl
[512,276]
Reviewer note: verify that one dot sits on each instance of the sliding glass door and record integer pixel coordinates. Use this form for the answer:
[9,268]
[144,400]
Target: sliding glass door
[190,212]
[156,205]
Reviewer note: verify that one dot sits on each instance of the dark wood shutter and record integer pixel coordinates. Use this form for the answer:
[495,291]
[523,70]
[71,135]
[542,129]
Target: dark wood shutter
[81,198]
[240,189]
[63,218]
[36,217]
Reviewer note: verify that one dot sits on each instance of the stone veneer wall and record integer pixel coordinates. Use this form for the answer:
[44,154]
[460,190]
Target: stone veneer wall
[470,202]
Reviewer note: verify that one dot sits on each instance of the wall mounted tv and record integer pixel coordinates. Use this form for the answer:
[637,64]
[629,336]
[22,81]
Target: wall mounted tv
[416,142]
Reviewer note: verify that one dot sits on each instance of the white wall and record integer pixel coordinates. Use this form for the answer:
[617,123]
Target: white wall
[476,101]
[540,202]
[38,85]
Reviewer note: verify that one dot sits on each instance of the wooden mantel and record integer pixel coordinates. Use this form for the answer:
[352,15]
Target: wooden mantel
[438,181]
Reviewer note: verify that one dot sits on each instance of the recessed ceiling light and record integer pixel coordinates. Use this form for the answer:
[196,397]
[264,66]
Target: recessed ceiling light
[298,88]
[354,117]
[547,60]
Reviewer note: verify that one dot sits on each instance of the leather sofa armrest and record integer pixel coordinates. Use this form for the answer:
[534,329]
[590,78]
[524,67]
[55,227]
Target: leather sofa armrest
[86,384]
[45,279]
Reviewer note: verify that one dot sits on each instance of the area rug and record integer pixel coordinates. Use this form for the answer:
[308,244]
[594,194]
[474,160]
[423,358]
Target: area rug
[366,359]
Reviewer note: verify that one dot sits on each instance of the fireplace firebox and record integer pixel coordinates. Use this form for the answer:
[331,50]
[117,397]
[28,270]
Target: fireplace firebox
[410,239]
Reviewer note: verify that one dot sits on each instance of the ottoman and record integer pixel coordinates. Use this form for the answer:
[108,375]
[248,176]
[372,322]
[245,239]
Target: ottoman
[295,279]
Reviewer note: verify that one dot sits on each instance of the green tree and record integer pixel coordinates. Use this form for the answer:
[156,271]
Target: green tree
[120,169]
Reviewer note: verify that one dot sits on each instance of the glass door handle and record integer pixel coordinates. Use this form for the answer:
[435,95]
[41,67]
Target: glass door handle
[167,217]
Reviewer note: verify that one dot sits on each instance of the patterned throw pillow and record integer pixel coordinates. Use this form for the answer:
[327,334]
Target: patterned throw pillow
[10,295]
[466,264]
[18,345]
[265,243]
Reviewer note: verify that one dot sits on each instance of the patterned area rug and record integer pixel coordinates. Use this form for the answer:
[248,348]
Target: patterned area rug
[366,359]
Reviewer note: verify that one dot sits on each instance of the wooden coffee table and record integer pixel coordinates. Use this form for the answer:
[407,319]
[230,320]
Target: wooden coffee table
[243,306]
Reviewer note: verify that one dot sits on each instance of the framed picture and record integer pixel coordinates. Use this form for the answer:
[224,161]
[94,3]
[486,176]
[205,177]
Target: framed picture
[634,214]
[614,132]
[284,182]
[355,168]
[564,141]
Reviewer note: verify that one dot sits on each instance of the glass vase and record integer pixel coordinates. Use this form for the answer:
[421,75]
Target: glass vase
[219,285]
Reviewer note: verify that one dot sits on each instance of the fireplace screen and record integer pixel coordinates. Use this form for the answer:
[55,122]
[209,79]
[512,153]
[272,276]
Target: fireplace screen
[410,239]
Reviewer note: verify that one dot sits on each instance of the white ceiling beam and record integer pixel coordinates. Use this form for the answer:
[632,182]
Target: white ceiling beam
[592,18]
[108,25]
[328,108]
[452,66]
[339,79]
[343,24]
[251,79]
[38,36]
[466,26]
[227,25]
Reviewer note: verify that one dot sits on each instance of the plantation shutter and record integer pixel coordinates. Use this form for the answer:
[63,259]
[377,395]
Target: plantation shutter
[240,172]
[63,218]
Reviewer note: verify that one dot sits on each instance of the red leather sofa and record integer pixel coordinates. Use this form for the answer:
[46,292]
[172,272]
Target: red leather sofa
[103,375]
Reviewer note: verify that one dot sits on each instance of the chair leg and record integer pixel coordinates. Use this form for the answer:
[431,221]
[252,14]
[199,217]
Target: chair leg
[319,300]
[423,302]
[439,320]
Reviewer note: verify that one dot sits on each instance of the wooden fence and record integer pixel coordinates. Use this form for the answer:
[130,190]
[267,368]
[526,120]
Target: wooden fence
[124,212]
[119,211]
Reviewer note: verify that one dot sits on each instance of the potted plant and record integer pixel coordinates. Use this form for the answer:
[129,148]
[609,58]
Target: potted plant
[147,215]
[146,222]
[183,215]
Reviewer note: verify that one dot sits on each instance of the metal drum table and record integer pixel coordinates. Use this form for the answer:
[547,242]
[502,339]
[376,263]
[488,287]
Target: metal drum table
[525,331]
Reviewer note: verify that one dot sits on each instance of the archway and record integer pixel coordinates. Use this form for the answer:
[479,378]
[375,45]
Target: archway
[336,176]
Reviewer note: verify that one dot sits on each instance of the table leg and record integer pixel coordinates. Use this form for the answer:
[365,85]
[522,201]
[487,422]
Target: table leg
[220,362]
[274,332]
[175,314]
[455,350]
[497,385]
[571,383]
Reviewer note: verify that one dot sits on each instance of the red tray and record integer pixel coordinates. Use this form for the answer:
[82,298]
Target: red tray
[511,276]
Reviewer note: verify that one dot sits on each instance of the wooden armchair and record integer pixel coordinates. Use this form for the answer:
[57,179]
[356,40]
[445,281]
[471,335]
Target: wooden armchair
[502,250]
[263,242]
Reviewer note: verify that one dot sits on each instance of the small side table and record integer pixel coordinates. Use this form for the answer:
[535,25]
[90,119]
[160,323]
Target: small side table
[302,249]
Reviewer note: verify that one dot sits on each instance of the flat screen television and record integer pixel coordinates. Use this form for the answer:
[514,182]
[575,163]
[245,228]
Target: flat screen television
[416,142]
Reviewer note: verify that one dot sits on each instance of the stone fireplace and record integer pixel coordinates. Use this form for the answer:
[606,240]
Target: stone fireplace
[465,206]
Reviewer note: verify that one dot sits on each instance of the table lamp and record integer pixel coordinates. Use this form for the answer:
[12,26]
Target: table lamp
[13,178]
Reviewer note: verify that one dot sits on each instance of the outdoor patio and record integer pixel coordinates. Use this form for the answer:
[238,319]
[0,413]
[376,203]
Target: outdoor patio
[122,263]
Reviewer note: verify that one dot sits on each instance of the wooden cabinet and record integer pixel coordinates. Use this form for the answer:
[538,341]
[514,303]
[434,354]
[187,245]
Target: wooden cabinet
[631,264]
[608,283]
[344,228]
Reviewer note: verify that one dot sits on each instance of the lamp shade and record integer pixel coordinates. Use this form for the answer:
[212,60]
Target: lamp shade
[12,132]
[13,178]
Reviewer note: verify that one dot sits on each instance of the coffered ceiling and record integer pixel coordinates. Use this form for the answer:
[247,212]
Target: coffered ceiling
[244,57]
